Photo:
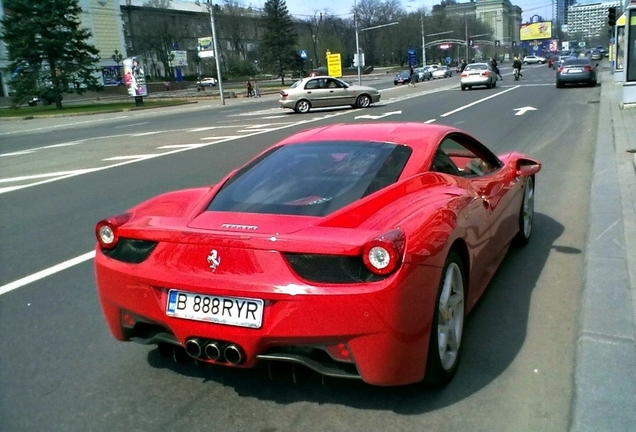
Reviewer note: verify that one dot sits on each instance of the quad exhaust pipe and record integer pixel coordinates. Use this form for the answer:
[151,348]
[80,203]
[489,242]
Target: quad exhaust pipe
[218,351]
[233,354]
[214,350]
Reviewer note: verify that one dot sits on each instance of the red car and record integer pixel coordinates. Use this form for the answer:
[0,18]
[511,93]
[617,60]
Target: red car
[355,250]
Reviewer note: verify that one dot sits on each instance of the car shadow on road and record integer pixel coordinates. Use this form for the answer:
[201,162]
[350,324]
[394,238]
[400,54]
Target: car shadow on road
[494,333]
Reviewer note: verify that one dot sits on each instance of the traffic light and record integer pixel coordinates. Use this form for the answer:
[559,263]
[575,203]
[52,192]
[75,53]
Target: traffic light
[471,42]
[514,43]
[611,16]
[496,43]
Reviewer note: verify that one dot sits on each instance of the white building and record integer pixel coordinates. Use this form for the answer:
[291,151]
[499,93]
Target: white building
[589,21]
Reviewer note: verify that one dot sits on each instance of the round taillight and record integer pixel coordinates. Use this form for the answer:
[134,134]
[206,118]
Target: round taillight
[383,254]
[379,257]
[106,235]
[106,230]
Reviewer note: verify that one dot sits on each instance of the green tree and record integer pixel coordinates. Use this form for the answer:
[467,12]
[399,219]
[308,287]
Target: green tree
[278,46]
[48,50]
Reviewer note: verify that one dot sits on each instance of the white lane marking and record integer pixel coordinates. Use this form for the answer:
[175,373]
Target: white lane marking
[18,153]
[222,137]
[130,125]
[146,133]
[36,176]
[201,129]
[46,272]
[116,158]
[478,102]
[430,121]
[176,146]
[57,126]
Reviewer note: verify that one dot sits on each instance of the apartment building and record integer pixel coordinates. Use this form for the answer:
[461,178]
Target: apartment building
[587,22]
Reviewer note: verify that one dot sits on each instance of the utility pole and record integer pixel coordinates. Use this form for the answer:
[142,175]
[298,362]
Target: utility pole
[216,51]
[466,28]
[423,39]
[355,23]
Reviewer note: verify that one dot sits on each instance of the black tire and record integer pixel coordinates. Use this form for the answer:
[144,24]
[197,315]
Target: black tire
[526,214]
[363,101]
[559,84]
[463,87]
[441,362]
[302,106]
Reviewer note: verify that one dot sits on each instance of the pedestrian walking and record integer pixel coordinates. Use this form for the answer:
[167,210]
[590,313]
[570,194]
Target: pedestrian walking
[411,76]
[493,64]
[257,90]
[249,88]
[463,65]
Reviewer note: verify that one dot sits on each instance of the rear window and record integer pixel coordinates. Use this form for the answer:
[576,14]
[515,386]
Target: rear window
[477,66]
[312,179]
[576,61]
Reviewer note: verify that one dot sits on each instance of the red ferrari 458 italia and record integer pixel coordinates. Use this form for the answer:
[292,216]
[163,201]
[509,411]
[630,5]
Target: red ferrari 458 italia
[355,250]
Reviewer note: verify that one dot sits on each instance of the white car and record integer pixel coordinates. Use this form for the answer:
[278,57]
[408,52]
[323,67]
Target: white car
[478,74]
[210,82]
[442,72]
[532,59]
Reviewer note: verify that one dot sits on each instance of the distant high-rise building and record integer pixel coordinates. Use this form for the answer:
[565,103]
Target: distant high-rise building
[561,11]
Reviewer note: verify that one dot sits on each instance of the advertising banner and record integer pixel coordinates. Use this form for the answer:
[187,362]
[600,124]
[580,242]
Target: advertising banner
[111,75]
[630,47]
[539,30]
[134,77]
[179,58]
[334,65]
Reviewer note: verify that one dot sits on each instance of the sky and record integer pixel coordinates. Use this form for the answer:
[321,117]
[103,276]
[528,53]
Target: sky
[343,7]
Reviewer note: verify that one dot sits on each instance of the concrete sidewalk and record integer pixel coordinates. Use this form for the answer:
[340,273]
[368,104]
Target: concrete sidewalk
[605,374]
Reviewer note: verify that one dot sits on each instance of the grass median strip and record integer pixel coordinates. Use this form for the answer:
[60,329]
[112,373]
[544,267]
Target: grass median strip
[92,108]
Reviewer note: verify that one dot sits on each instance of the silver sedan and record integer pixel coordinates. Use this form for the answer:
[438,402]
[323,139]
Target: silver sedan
[326,91]
[478,74]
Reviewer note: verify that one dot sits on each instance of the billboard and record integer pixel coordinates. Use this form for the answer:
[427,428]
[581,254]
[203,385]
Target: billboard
[538,30]
[179,58]
[134,78]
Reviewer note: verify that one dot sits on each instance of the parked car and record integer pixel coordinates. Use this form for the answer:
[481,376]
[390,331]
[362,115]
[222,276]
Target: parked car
[423,74]
[442,72]
[208,82]
[533,59]
[356,250]
[478,74]
[404,77]
[596,55]
[576,71]
[326,91]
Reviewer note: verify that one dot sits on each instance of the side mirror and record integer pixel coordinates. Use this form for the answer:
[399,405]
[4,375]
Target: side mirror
[528,170]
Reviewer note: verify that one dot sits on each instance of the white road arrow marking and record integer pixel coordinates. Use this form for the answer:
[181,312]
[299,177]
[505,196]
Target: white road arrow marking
[522,111]
[379,116]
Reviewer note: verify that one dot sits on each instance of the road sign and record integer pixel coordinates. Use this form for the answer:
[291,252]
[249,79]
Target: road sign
[412,56]
[303,54]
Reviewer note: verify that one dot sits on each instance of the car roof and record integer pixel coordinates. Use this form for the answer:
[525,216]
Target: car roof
[422,138]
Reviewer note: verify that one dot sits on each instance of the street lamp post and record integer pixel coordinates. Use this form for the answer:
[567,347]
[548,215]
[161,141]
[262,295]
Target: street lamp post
[355,23]
[216,51]
[423,38]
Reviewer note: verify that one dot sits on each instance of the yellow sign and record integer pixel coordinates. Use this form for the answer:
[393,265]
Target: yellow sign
[540,30]
[334,65]
[621,21]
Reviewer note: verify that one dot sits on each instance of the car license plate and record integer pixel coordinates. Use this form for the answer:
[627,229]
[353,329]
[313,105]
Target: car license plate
[575,70]
[242,312]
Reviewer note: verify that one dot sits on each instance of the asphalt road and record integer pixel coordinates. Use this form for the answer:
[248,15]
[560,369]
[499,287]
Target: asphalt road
[60,370]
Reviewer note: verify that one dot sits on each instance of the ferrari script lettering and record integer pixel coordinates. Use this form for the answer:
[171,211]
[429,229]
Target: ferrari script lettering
[243,227]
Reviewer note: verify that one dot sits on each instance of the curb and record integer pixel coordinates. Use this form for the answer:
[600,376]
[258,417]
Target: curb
[604,378]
